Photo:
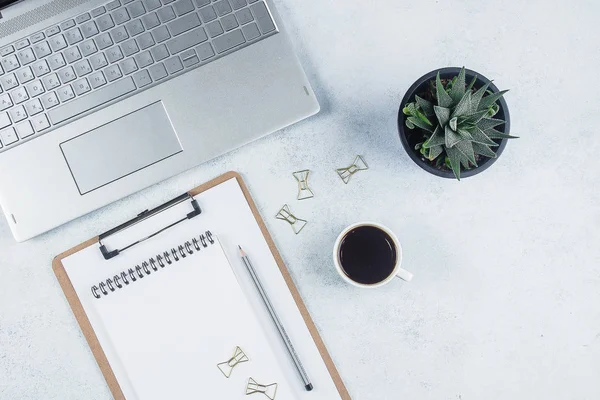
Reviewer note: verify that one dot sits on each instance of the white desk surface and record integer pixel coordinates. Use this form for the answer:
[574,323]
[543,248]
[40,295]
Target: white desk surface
[504,304]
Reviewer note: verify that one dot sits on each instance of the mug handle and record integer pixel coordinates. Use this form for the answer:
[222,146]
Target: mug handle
[404,275]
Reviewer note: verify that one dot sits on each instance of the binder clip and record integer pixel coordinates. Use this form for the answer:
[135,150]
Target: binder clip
[304,191]
[359,164]
[286,215]
[238,357]
[270,391]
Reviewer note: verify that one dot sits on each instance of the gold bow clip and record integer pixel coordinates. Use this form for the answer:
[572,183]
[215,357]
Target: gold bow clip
[227,367]
[270,391]
[286,215]
[304,192]
[359,164]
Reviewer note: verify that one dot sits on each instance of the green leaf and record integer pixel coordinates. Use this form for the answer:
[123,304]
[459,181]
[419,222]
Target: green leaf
[436,139]
[453,123]
[458,87]
[409,109]
[470,87]
[490,99]
[418,146]
[443,98]
[454,157]
[419,123]
[478,136]
[495,134]
[409,124]
[425,105]
[478,95]
[465,134]
[463,107]
[452,137]
[484,150]
[434,152]
[466,149]
[487,123]
[442,114]
[475,117]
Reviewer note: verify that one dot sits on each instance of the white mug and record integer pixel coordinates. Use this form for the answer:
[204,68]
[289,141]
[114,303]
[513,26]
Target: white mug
[397,272]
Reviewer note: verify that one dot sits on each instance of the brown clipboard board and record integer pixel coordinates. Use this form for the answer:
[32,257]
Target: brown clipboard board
[92,339]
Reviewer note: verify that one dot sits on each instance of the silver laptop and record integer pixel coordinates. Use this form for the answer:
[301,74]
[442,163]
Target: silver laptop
[101,99]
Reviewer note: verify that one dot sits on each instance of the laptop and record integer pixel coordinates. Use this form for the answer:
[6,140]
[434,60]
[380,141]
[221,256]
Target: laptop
[100,99]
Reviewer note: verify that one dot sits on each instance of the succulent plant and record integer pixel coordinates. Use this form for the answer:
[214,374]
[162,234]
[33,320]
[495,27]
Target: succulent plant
[460,126]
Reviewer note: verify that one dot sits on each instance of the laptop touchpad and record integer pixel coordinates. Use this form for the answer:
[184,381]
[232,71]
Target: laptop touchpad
[121,147]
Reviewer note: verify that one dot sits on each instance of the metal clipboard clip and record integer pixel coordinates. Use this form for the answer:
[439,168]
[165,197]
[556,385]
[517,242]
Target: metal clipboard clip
[108,254]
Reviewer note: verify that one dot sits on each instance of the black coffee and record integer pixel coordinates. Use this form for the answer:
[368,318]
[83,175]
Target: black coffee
[367,255]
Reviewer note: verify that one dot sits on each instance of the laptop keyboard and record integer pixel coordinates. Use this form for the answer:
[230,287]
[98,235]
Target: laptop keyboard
[117,50]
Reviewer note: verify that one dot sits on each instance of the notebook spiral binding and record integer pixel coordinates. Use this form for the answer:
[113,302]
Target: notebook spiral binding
[125,278]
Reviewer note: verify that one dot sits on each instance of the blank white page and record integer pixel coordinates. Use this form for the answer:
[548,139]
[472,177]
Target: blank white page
[180,320]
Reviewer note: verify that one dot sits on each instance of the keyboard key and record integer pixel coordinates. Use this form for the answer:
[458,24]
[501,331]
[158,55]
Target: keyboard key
[97,79]
[82,68]
[150,21]
[18,114]
[67,75]
[42,49]
[37,37]
[184,24]
[161,34]
[26,56]
[113,4]
[208,14]
[251,31]
[51,81]
[25,130]
[9,82]
[4,122]
[7,50]
[81,86]
[21,44]
[52,31]
[187,40]
[49,100]
[5,102]
[58,42]
[96,12]
[89,29]
[120,16]
[193,60]
[98,61]
[41,68]
[244,16]
[136,9]
[152,4]
[222,7]
[205,51]
[10,63]
[157,72]
[130,47]
[92,100]
[142,78]
[105,22]
[135,27]
[40,123]
[128,66]
[8,136]
[74,36]
[237,4]
[88,48]
[25,75]
[166,14]
[228,41]
[144,59]
[72,54]
[114,54]
[160,52]
[145,41]
[173,65]
[56,61]
[119,34]
[66,93]
[35,89]
[83,18]
[103,41]
[34,107]
[263,18]
[229,22]
[202,3]
[67,24]
[112,73]
[183,7]
[214,29]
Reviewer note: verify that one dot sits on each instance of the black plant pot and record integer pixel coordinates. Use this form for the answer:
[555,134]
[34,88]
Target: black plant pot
[410,137]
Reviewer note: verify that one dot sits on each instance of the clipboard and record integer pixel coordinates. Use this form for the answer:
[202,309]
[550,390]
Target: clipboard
[86,326]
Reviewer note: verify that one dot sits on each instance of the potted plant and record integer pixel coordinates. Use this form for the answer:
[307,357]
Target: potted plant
[454,122]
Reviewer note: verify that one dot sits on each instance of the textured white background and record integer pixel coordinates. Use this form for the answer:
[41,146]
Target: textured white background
[505,303]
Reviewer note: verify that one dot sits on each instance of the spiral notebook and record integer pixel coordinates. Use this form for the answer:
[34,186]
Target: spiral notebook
[160,315]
